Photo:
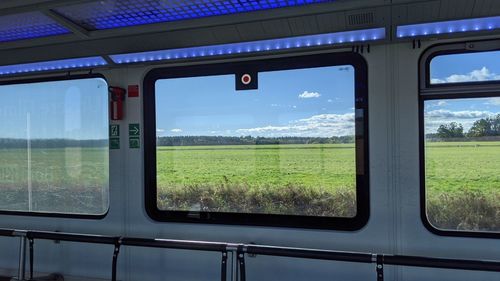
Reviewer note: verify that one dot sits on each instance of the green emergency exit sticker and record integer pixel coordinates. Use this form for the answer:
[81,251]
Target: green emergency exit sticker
[114,143]
[134,142]
[134,130]
[114,130]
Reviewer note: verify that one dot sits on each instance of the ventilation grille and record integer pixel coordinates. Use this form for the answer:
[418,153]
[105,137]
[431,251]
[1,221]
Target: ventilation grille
[361,19]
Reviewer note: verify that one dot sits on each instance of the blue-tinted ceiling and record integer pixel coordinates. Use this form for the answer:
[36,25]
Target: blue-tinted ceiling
[27,26]
[108,14]
[254,46]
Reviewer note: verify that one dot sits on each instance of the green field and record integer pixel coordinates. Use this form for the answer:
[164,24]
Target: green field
[463,180]
[283,179]
[70,180]
[463,185]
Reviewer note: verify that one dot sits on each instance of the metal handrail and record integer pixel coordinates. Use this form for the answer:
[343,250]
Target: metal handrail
[240,250]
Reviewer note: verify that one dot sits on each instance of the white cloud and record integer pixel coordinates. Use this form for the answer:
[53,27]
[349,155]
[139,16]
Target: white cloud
[493,101]
[483,74]
[176,130]
[322,125]
[309,95]
[435,118]
[330,100]
[433,104]
[160,130]
[464,114]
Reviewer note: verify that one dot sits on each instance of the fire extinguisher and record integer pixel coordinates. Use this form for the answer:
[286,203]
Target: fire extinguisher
[117,96]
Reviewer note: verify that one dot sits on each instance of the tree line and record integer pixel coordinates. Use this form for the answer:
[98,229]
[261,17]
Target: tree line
[51,143]
[485,127]
[176,141]
[247,140]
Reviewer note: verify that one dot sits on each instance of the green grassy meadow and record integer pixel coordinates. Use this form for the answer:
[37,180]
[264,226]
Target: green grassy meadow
[281,179]
[66,180]
[463,185]
[462,179]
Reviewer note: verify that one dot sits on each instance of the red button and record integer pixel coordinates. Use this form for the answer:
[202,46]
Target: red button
[246,79]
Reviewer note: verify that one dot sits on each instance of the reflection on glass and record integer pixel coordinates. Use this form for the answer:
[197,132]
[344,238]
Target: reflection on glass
[54,147]
[462,163]
[286,148]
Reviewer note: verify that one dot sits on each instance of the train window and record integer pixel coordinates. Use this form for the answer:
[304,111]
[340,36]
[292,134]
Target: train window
[462,160]
[465,68]
[289,151]
[460,143]
[54,147]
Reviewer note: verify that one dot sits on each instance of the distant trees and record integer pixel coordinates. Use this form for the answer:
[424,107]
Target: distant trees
[452,130]
[247,140]
[485,127]
[177,141]
[51,143]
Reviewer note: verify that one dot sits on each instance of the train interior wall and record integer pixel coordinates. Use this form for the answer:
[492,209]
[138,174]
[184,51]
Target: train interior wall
[394,226]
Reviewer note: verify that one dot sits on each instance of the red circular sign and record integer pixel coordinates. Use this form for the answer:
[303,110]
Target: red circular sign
[246,79]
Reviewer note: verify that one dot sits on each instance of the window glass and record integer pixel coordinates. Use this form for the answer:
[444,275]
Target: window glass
[287,148]
[462,163]
[463,68]
[54,147]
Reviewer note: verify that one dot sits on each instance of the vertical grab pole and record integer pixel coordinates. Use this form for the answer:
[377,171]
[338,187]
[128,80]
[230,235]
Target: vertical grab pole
[22,257]
[241,263]
[116,252]
[32,255]
[234,265]
[223,271]
[380,267]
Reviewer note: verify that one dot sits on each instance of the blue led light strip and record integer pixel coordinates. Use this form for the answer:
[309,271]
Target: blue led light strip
[109,14]
[444,27]
[254,46]
[52,65]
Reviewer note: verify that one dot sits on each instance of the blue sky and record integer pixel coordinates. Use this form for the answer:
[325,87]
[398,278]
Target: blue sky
[462,68]
[315,102]
[466,67]
[73,109]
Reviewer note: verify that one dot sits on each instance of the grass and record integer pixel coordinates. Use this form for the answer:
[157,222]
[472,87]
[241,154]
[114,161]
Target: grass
[463,181]
[278,179]
[71,180]
[266,166]
[463,185]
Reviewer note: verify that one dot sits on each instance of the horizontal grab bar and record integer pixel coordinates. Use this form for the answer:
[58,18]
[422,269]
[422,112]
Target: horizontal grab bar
[309,253]
[401,260]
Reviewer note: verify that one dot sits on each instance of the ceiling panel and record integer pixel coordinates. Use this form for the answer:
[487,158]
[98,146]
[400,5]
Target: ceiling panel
[486,7]
[27,26]
[109,14]
[453,9]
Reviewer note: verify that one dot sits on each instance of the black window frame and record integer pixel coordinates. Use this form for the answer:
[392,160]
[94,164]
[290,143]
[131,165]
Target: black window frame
[274,64]
[464,90]
[56,79]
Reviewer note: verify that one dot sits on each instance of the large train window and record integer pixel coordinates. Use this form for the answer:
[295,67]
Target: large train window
[460,139]
[54,147]
[279,142]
